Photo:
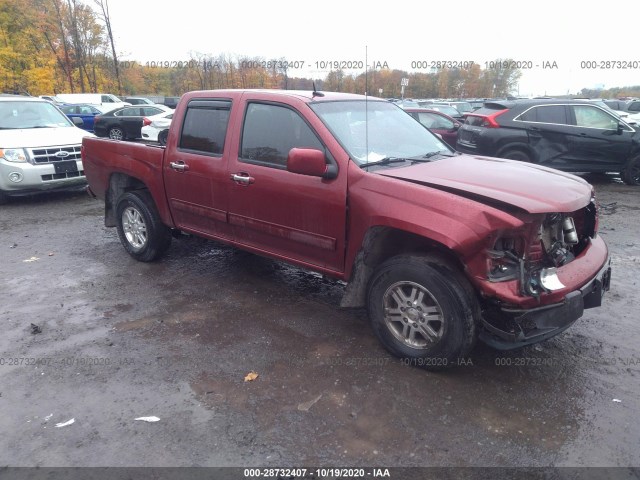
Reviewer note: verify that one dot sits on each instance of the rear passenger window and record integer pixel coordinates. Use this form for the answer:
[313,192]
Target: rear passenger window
[546,114]
[270,131]
[150,111]
[205,126]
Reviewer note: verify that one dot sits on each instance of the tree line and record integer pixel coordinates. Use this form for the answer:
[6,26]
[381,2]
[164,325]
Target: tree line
[67,46]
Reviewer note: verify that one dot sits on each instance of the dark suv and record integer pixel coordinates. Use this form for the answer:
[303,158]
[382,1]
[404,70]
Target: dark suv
[570,135]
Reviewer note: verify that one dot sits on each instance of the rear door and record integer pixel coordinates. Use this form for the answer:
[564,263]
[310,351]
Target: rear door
[130,120]
[289,215]
[548,133]
[195,169]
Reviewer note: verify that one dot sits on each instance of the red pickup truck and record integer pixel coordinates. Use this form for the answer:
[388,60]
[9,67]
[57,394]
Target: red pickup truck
[442,248]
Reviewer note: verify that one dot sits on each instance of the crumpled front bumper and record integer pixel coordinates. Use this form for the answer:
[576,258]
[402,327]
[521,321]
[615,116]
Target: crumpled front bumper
[534,325]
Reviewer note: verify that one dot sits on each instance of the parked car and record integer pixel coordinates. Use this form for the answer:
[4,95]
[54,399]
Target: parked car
[39,147]
[106,99]
[633,106]
[437,122]
[138,101]
[453,112]
[633,109]
[476,104]
[623,114]
[170,102]
[86,113]
[406,103]
[52,98]
[570,135]
[125,123]
[443,248]
[620,105]
[462,106]
[156,127]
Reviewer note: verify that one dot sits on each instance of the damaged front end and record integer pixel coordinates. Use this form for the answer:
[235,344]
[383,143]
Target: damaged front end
[540,278]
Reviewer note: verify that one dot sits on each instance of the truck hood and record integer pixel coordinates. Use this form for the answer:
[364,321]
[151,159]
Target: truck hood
[42,137]
[532,188]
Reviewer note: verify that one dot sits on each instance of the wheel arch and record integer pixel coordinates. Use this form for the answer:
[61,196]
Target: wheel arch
[119,183]
[519,146]
[381,243]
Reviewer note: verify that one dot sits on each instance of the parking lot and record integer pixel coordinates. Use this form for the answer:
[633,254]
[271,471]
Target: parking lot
[120,340]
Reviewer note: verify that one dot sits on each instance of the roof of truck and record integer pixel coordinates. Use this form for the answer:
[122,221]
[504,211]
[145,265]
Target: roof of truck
[306,95]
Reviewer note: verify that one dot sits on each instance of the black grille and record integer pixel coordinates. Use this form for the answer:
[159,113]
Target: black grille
[60,176]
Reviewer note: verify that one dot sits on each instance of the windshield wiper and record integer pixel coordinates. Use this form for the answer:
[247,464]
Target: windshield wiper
[444,153]
[388,160]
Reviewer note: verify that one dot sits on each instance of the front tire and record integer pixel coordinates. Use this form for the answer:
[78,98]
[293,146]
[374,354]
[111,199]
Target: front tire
[631,172]
[140,228]
[421,311]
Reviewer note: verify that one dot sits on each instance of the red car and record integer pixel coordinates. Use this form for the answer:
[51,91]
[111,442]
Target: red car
[442,248]
[438,122]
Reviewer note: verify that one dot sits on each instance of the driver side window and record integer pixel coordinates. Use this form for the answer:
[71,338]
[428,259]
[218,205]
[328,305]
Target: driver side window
[270,131]
[592,117]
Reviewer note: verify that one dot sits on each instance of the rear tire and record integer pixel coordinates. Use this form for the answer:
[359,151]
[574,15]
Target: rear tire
[140,228]
[421,312]
[515,154]
[116,133]
[631,173]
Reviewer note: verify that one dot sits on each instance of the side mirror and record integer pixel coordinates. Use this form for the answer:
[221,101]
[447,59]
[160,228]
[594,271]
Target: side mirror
[77,121]
[456,126]
[308,161]
[620,129]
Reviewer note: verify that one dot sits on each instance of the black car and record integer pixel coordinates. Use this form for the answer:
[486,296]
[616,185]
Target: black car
[570,135]
[125,122]
[171,102]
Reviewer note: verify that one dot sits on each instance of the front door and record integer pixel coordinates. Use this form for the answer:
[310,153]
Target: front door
[595,143]
[290,215]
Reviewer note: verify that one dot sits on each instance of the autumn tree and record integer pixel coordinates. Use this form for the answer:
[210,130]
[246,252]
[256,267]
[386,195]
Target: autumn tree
[105,17]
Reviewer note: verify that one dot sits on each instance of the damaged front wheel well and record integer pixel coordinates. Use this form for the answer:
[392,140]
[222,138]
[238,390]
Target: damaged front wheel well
[380,244]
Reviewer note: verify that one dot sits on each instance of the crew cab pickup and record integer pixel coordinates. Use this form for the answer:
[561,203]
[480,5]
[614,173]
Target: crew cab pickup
[442,248]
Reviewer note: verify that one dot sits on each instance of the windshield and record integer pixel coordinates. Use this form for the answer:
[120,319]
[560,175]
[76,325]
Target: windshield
[373,131]
[21,114]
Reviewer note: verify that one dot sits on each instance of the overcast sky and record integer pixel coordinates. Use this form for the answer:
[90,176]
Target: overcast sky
[535,32]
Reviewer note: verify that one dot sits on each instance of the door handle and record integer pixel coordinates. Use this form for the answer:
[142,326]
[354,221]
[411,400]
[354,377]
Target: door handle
[242,178]
[180,166]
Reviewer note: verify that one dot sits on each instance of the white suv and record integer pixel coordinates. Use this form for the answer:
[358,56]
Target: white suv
[39,147]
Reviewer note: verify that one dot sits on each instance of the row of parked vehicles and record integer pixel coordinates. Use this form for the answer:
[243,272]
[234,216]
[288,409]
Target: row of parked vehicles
[574,135]
[128,119]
